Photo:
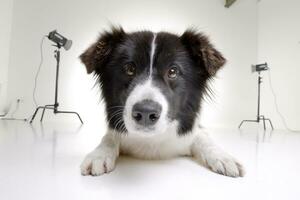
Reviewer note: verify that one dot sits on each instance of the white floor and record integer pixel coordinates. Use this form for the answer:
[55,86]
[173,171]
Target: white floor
[42,162]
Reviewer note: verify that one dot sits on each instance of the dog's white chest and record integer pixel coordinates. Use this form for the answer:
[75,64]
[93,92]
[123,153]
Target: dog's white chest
[157,146]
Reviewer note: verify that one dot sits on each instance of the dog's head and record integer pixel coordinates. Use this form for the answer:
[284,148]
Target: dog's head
[152,81]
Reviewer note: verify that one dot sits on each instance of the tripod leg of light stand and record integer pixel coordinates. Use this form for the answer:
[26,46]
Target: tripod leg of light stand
[270,123]
[246,121]
[54,107]
[263,118]
[36,110]
[43,114]
[71,112]
[45,107]
[241,124]
[258,116]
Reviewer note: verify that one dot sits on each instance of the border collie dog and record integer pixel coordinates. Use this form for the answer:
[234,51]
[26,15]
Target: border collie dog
[153,84]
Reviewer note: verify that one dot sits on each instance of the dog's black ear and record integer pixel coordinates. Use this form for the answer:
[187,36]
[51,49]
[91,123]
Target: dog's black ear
[98,53]
[202,51]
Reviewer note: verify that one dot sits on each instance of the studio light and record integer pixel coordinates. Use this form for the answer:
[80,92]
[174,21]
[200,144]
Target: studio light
[259,67]
[228,3]
[60,40]
[259,117]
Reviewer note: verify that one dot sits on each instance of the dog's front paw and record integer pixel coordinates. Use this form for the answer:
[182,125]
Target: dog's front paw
[222,163]
[97,163]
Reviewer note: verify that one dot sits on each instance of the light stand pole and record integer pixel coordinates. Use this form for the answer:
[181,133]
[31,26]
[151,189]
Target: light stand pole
[258,116]
[54,106]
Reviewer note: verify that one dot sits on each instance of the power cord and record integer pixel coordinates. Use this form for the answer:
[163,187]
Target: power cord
[277,107]
[38,71]
[6,110]
[12,114]
[34,89]
[16,108]
[37,74]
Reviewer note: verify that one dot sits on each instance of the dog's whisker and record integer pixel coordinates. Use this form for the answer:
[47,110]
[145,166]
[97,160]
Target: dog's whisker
[117,123]
[120,120]
[123,128]
[115,114]
[117,118]
[109,108]
[116,110]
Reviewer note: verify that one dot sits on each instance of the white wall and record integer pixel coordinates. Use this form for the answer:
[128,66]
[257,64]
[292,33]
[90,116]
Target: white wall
[232,30]
[279,45]
[6,8]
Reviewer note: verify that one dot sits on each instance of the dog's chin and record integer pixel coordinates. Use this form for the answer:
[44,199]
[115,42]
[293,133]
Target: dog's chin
[145,131]
[134,129]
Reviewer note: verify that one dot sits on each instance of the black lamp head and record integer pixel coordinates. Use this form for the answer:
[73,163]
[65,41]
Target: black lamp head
[60,40]
[259,67]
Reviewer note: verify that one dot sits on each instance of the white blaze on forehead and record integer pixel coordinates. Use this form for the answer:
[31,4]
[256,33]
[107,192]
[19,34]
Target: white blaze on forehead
[153,46]
[146,90]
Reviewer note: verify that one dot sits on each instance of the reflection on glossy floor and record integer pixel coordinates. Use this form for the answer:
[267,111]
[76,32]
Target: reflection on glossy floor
[42,162]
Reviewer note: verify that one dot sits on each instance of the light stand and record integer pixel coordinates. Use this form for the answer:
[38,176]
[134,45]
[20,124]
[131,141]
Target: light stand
[54,106]
[259,117]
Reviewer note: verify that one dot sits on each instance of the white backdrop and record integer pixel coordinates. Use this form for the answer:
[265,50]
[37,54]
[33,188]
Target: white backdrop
[6,7]
[279,45]
[233,31]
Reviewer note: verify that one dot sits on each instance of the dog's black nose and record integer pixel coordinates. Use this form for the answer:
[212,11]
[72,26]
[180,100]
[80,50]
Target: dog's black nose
[146,112]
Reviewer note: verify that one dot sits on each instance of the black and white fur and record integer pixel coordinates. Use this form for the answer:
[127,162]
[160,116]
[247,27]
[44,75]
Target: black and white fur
[164,74]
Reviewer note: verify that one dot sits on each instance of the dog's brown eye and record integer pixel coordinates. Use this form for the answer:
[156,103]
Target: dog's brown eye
[129,69]
[173,72]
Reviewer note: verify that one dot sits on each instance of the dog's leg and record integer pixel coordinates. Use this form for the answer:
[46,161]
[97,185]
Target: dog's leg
[102,159]
[213,157]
